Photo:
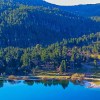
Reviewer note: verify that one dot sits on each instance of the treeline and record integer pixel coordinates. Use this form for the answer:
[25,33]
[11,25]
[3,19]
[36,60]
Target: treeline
[60,56]
[25,26]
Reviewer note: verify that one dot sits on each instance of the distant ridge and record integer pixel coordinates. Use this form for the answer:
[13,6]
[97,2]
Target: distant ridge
[87,10]
[72,2]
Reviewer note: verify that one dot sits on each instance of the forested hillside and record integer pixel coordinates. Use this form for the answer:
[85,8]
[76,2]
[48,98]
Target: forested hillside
[37,35]
[65,55]
[25,26]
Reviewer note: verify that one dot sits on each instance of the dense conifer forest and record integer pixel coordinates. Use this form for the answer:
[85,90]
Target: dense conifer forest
[64,55]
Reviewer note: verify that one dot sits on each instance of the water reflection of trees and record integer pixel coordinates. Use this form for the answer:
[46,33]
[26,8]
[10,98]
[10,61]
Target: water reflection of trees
[1,83]
[63,83]
[46,83]
[77,82]
[29,82]
[14,82]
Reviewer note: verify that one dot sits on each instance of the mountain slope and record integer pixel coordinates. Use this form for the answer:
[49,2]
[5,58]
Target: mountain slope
[84,10]
[88,10]
[24,26]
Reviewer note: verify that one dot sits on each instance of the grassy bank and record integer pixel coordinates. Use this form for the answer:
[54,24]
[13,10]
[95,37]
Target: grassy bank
[53,76]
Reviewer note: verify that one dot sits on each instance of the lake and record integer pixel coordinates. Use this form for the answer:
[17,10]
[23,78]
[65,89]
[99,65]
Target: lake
[46,90]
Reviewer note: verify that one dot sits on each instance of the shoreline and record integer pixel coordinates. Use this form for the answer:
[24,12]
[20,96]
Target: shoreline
[93,79]
[44,77]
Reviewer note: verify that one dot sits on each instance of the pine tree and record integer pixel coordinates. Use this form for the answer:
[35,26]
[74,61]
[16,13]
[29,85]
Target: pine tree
[63,66]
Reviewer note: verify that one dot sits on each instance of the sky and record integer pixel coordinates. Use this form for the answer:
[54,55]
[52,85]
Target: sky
[72,2]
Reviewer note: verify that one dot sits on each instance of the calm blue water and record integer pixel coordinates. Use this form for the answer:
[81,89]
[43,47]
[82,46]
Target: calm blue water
[46,91]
